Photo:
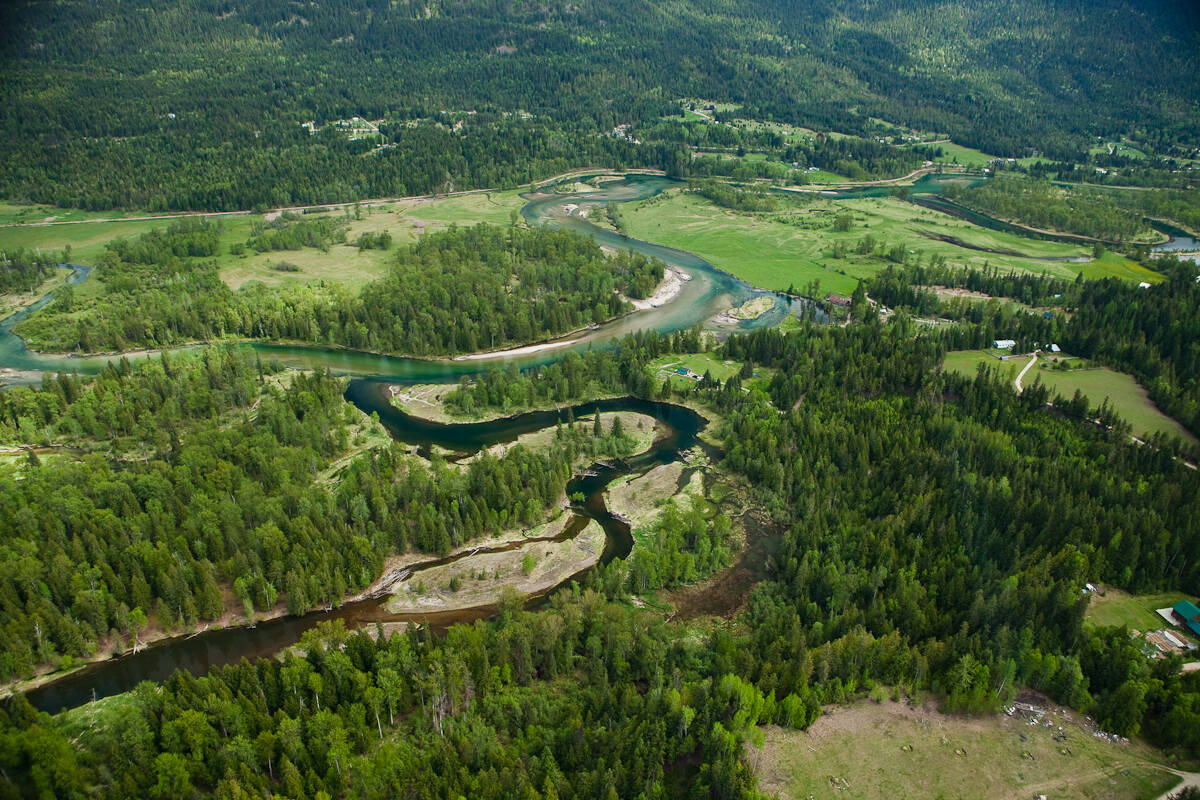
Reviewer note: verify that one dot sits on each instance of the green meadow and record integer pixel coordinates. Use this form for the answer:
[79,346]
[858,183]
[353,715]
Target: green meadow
[1124,394]
[797,244]
[1134,611]
[342,264]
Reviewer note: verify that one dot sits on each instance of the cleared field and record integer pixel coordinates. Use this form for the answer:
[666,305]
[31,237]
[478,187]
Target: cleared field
[12,213]
[1134,611]
[1124,394]
[893,750]
[798,244]
[86,239]
[966,362]
[953,153]
[343,264]
[664,368]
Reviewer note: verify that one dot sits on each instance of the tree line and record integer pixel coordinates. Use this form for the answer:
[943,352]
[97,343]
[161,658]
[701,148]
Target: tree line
[1152,333]
[526,285]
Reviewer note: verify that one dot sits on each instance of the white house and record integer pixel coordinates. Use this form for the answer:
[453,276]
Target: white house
[1004,344]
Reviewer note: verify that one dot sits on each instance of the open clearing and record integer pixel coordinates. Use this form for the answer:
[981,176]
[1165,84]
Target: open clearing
[796,245]
[344,264]
[1134,611]
[893,750]
[966,362]
[664,368]
[1124,394]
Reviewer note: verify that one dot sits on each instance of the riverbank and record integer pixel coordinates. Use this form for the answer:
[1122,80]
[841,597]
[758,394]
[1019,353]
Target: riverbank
[487,578]
[750,310]
[668,289]
[514,352]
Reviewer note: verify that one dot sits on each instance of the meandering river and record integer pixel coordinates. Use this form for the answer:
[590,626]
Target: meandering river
[706,292]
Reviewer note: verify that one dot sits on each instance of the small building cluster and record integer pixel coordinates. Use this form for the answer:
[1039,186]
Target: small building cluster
[839,300]
[1183,614]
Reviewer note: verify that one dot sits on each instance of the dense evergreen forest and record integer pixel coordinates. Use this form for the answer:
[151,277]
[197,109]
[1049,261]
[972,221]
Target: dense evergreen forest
[525,285]
[1094,213]
[198,104]
[936,533]
[930,534]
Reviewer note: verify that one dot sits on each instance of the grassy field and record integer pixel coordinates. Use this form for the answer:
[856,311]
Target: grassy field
[1136,612]
[342,264]
[1124,394]
[796,245]
[959,154]
[966,362]
[893,750]
[664,368]
[86,239]
[11,214]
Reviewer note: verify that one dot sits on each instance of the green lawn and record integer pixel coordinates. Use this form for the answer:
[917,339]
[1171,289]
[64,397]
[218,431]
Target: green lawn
[664,367]
[1124,393]
[796,245]
[966,362]
[1136,612]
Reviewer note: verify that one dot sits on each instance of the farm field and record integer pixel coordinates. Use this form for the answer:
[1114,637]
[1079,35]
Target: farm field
[895,750]
[966,362]
[772,253]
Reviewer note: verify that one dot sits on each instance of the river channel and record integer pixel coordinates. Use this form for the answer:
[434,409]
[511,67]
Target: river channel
[705,292]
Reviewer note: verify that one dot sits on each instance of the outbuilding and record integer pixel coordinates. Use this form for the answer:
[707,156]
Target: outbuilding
[1187,615]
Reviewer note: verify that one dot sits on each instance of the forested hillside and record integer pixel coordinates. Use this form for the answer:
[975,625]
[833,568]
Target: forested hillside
[199,104]
[458,291]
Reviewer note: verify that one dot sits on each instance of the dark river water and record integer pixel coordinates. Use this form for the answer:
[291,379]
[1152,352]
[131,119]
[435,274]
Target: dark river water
[196,653]
[707,291]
